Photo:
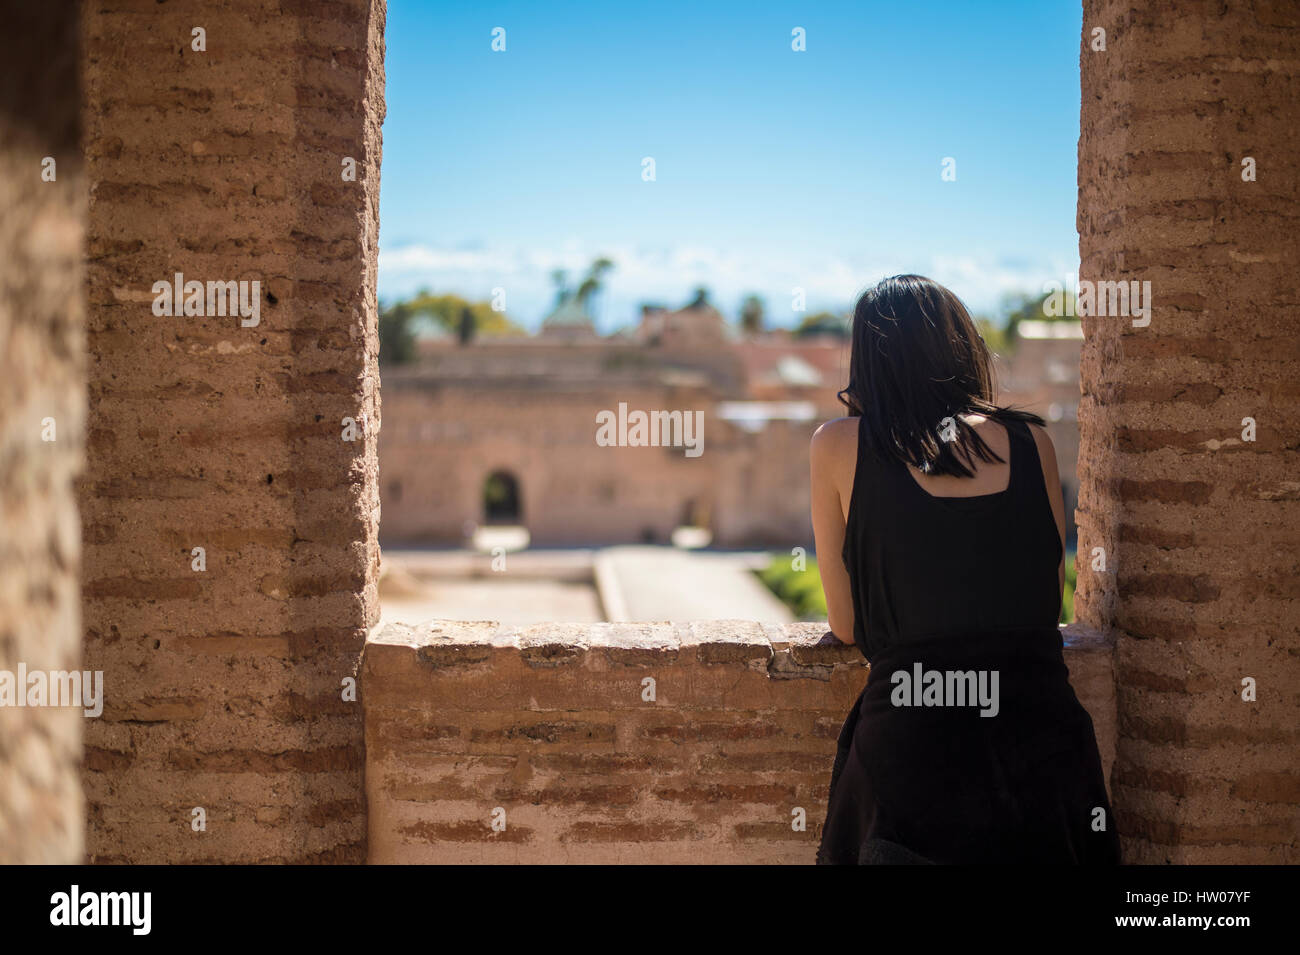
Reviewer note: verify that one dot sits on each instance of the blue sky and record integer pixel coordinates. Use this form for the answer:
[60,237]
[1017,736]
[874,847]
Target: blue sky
[775,169]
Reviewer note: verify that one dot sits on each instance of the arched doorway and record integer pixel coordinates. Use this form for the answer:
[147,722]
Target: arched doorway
[501,500]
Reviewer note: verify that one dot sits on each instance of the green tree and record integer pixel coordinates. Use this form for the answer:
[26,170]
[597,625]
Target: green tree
[459,317]
[800,590]
[1026,306]
[823,323]
[560,279]
[1067,592]
[593,280]
[751,315]
[396,340]
[995,337]
[701,299]
[448,310]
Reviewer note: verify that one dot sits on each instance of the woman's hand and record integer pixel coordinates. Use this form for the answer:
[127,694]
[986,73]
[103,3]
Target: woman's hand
[829,639]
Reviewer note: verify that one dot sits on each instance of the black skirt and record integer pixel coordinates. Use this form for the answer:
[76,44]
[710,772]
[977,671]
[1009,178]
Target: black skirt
[921,776]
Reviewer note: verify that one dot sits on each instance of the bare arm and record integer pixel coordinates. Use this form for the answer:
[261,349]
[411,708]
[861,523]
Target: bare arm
[832,454]
[1052,477]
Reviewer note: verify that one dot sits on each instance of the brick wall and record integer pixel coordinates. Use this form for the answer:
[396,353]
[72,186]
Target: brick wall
[42,418]
[549,725]
[1198,525]
[224,686]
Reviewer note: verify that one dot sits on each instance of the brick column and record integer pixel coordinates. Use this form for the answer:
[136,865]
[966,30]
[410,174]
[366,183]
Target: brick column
[1198,523]
[224,676]
[42,417]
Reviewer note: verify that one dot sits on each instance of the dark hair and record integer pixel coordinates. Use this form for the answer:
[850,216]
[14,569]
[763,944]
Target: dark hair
[916,365]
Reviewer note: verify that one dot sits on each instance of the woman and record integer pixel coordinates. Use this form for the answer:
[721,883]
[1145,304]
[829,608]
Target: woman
[940,533]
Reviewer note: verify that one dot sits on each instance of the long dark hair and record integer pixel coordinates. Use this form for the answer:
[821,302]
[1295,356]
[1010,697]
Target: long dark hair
[917,365]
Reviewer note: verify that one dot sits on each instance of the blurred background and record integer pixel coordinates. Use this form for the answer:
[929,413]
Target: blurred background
[670,208]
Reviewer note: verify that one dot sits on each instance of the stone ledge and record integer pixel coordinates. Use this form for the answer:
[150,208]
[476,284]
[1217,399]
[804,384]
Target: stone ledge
[550,723]
[786,651]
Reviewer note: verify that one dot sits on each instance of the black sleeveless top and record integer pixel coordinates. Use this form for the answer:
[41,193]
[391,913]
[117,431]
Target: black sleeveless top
[923,566]
[962,587]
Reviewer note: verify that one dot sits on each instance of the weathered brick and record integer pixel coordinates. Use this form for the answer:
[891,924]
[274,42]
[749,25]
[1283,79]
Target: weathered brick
[1168,487]
[42,379]
[206,433]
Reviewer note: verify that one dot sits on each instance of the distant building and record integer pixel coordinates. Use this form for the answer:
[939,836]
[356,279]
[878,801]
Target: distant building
[1042,375]
[503,431]
[569,322]
[695,325]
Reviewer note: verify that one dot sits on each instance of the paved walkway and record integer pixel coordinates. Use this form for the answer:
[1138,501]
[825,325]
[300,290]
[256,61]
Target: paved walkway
[631,583]
[664,583]
[511,602]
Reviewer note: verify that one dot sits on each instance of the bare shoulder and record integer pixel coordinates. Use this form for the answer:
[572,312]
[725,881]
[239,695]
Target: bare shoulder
[1042,438]
[837,431]
[1046,450]
[833,458]
[836,440]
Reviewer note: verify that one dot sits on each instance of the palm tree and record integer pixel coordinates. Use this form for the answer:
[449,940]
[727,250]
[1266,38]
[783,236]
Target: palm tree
[751,315]
[561,280]
[592,282]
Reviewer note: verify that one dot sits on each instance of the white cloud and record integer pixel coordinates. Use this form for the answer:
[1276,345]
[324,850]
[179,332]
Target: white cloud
[669,275]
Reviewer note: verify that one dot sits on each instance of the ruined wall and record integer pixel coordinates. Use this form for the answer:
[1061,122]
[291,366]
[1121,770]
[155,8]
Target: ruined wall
[223,680]
[549,728]
[1197,521]
[223,683]
[42,417]
[572,490]
[750,488]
